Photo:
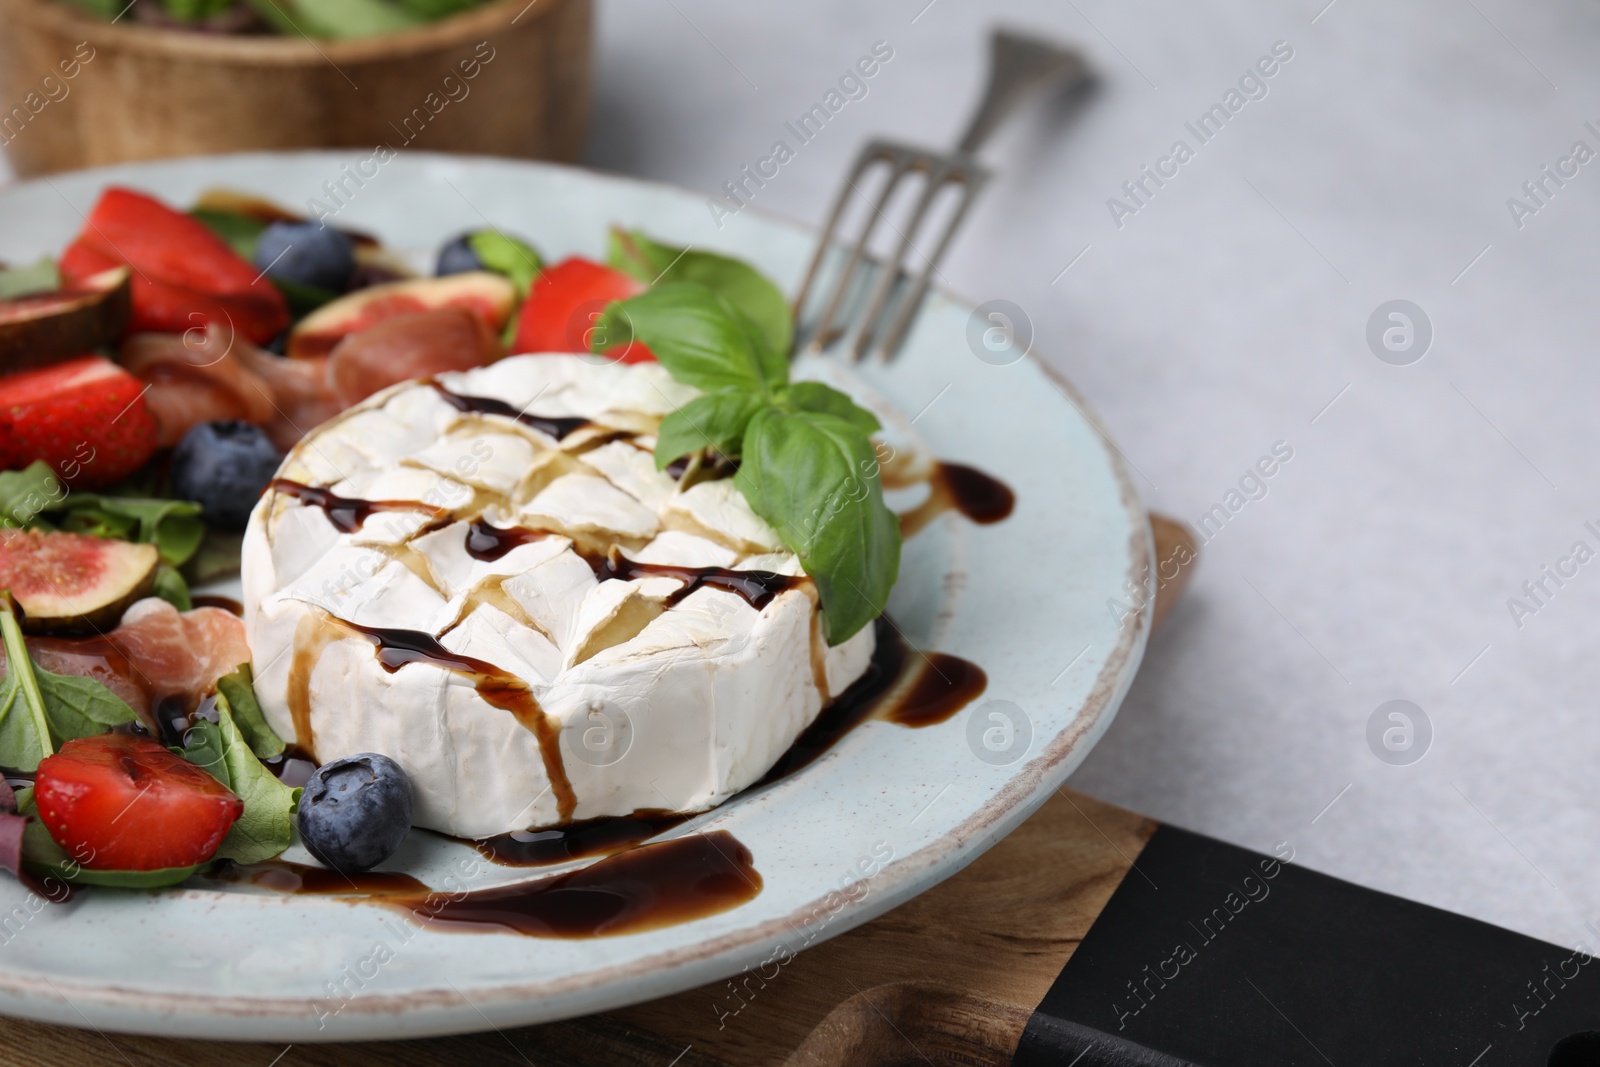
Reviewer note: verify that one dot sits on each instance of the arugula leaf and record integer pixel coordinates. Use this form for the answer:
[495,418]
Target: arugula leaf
[698,336]
[716,420]
[740,284]
[42,856]
[265,828]
[12,828]
[302,299]
[79,707]
[24,730]
[217,557]
[239,688]
[39,709]
[40,277]
[27,492]
[815,478]
[171,587]
[515,259]
[173,526]
[202,746]
[97,522]
[826,400]
[239,231]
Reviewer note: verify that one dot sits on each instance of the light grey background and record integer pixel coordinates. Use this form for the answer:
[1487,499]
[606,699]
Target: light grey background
[1223,317]
[1229,314]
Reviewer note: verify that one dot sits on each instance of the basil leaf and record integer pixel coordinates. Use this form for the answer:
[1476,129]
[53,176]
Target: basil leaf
[716,420]
[515,259]
[79,707]
[698,336]
[814,477]
[736,281]
[42,856]
[239,688]
[826,400]
[27,492]
[241,232]
[24,730]
[265,828]
[40,277]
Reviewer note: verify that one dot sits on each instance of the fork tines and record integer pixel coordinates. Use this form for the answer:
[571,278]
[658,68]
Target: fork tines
[892,304]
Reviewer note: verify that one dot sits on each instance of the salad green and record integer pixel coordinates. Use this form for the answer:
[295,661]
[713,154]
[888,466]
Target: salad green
[221,748]
[40,710]
[310,18]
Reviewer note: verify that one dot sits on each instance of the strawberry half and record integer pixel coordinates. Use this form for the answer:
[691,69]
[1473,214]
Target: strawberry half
[183,274]
[117,802]
[86,418]
[565,305]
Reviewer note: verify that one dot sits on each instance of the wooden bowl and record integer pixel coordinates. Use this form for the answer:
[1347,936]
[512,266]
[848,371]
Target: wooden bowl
[510,78]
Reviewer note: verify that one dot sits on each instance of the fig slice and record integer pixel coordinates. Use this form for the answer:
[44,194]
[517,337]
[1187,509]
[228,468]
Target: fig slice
[41,328]
[73,583]
[489,296]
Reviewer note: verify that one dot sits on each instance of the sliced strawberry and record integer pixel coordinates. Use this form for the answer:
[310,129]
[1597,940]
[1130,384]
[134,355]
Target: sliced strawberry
[86,418]
[184,275]
[565,305]
[117,802]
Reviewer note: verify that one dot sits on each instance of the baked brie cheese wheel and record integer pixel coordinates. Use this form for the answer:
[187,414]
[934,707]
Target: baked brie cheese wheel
[485,578]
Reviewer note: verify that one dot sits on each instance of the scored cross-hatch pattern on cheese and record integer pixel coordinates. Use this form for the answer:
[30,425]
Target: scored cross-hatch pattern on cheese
[469,574]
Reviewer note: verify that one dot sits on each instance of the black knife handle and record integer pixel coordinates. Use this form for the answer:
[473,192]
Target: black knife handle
[1052,1042]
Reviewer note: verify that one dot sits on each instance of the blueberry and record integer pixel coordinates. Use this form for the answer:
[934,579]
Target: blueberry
[309,253]
[355,811]
[458,257]
[223,466]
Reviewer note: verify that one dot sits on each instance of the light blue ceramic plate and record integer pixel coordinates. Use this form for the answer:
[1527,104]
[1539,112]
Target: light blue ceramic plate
[886,814]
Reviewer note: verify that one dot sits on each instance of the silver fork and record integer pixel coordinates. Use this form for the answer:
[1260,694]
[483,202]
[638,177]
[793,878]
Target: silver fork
[1018,66]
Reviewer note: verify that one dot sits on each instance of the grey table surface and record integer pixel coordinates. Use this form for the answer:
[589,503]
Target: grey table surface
[1224,313]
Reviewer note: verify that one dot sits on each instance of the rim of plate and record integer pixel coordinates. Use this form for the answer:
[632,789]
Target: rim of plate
[998,816]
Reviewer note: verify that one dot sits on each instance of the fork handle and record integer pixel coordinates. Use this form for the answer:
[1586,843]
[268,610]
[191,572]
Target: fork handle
[1019,65]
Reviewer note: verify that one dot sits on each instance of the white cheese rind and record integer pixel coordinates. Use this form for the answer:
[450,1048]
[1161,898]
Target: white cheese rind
[652,707]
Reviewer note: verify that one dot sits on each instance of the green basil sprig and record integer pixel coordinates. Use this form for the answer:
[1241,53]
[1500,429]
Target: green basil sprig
[806,461]
[734,280]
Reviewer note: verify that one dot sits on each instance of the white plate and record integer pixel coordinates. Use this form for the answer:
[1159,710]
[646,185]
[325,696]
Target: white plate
[1026,599]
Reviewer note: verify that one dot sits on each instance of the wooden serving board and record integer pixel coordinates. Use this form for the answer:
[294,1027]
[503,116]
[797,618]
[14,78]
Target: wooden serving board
[951,977]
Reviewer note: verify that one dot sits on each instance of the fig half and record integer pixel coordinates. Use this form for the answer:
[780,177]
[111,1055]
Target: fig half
[69,583]
[42,328]
[488,296]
